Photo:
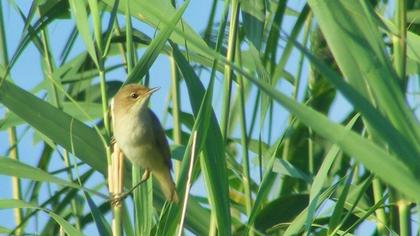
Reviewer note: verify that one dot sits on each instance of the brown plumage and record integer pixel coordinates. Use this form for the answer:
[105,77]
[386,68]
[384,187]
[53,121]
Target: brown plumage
[141,137]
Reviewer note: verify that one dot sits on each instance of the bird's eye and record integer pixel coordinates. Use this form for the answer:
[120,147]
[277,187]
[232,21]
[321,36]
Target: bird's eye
[134,95]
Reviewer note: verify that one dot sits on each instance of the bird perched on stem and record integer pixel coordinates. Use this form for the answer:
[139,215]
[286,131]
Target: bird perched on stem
[141,137]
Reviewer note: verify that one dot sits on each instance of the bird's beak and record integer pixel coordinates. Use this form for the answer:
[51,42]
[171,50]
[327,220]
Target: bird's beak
[151,91]
[142,100]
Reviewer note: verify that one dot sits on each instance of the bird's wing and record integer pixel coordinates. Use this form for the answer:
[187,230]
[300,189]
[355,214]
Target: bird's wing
[160,139]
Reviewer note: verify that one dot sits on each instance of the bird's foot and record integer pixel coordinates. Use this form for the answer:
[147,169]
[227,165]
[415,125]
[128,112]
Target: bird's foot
[117,198]
[113,140]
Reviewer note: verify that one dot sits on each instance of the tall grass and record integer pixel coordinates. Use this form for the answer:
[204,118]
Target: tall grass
[262,87]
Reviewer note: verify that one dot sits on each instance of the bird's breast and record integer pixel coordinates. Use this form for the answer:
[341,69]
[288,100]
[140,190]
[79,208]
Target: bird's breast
[132,132]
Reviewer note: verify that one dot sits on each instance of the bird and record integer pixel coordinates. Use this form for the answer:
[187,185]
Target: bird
[141,137]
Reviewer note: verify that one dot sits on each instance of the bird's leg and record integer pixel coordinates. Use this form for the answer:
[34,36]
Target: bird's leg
[144,178]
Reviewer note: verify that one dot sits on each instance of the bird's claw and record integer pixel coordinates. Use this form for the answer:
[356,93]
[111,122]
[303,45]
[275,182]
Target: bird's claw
[117,198]
[113,140]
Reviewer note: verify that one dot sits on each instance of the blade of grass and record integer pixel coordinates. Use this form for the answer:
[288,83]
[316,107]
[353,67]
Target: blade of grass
[296,225]
[321,177]
[336,216]
[368,213]
[78,9]
[358,48]
[391,168]
[354,198]
[200,125]
[55,124]
[12,167]
[284,167]
[214,160]
[188,184]
[265,185]
[287,51]
[155,13]
[253,15]
[398,142]
[228,73]
[104,229]
[13,151]
[155,47]
[66,226]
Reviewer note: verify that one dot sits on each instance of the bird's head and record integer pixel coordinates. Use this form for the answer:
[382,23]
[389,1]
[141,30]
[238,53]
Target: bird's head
[132,98]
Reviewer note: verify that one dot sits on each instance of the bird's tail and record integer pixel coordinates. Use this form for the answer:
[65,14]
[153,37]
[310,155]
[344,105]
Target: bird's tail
[167,185]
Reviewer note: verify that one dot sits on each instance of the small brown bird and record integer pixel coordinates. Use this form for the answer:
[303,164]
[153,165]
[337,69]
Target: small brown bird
[141,137]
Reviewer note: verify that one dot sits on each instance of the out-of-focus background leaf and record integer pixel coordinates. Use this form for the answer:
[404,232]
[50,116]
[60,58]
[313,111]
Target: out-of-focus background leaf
[306,113]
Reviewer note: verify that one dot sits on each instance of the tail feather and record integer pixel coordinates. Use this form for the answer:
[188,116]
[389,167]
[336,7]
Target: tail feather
[167,185]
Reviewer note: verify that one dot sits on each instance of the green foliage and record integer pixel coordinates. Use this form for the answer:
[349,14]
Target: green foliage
[257,172]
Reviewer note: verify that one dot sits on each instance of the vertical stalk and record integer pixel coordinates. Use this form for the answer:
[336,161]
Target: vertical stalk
[135,176]
[270,121]
[97,27]
[174,94]
[13,150]
[175,109]
[254,113]
[219,42]
[227,85]
[418,215]
[16,187]
[400,50]
[121,46]
[115,186]
[399,41]
[212,226]
[175,101]
[115,163]
[310,152]
[104,101]
[244,140]
[115,169]
[296,84]
[404,217]
[382,221]
[129,39]
[116,183]
[50,67]
[188,184]
[210,22]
